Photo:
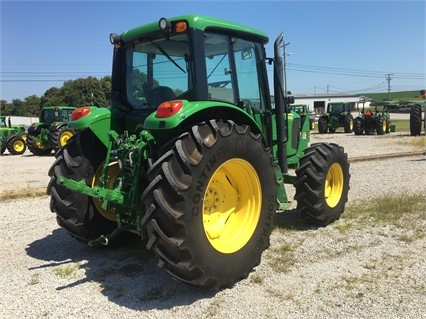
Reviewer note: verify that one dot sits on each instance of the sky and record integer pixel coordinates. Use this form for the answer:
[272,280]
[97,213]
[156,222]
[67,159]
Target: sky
[331,46]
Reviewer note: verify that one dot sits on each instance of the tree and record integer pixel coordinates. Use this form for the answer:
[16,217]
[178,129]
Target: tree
[32,105]
[52,97]
[79,92]
[16,108]
[89,91]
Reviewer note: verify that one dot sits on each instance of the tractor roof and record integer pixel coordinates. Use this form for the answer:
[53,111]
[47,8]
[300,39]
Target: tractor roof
[199,22]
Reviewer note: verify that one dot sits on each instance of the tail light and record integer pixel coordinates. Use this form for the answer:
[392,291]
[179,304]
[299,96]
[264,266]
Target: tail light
[169,108]
[79,113]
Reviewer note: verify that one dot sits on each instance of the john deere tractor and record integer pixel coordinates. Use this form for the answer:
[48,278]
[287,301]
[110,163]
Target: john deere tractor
[303,111]
[52,131]
[191,156]
[12,137]
[338,115]
[370,122]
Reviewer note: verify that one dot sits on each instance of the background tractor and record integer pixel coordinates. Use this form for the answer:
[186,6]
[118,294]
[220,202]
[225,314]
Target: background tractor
[195,169]
[416,120]
[303,111]
[12,137]
[370,122]
[338,115]
[52,131]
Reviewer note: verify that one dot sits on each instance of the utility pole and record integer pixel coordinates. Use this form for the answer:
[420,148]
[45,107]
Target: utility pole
[388,78]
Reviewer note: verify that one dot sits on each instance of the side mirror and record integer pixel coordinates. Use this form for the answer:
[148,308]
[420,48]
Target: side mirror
[289,100]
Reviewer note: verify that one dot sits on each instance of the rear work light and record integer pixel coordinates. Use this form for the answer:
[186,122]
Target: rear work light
[79,113]
[169,108]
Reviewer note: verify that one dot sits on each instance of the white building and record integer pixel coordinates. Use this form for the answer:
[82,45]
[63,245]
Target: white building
[318,102]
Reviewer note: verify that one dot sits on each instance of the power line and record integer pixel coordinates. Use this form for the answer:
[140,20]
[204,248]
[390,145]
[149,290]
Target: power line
[353,72]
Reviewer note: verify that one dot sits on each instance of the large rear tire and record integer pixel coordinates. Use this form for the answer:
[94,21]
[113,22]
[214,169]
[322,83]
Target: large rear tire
[210,204]
[322,125]
[80,215]
[349,123]
[416,120]
[380,126]
[358,127]
[322,183]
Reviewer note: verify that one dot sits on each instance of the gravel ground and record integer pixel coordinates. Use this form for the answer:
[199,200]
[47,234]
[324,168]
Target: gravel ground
[362,273]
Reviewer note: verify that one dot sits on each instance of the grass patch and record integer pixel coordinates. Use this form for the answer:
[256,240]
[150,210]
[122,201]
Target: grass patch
[401,125]
[404,211]
[283,258]
[417,141]
[22,193]
[257,279]
[67,270]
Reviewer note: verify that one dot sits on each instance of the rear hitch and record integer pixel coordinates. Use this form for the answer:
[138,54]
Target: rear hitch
[105,240]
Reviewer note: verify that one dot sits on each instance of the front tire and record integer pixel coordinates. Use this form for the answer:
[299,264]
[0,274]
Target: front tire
[16,145]
[61,136]
[322,183]
[210,204]
[37,148]
[77,213]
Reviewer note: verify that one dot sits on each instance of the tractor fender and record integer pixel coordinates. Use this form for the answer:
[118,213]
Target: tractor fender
[96,119]
[8,138]
[191,113]
[54,128]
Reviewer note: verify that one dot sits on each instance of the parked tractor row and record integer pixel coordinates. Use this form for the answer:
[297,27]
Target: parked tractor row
[338,115]
[49,134]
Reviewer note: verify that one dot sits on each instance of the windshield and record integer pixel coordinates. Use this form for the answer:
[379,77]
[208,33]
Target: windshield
[158,70]
[55,115]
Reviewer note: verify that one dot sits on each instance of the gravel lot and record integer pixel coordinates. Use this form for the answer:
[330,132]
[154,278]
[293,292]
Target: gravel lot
[361,273]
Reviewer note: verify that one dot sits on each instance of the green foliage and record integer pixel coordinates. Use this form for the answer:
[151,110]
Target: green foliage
[395,96]
[79,92]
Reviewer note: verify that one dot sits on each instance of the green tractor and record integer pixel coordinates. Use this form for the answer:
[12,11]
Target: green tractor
[303,111]
[370,122]
[338,115]
[12,137]
[191,157]
[52,131]
[416,120]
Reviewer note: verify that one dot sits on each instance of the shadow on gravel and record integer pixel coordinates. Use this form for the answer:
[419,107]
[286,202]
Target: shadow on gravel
[127,275]
[291,219]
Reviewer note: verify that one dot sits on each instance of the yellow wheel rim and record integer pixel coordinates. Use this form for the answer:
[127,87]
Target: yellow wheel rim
[112,174]
[18,146]
[333,185]
[351,124]
[231,206]
[65,136]
[384,126]
[40,146]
